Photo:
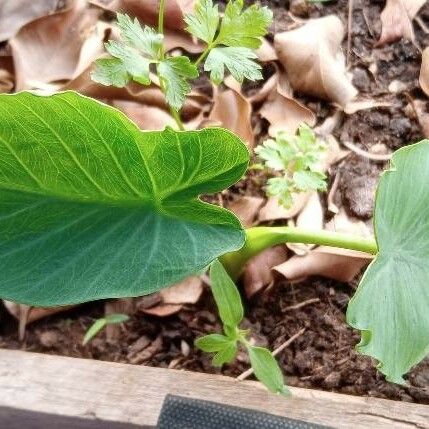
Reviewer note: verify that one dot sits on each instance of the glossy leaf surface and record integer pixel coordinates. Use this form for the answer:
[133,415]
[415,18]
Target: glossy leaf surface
[92,207]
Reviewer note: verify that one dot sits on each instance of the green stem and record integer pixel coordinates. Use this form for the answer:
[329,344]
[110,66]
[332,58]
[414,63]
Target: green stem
[261,238]
[203,55]
[161,17]
[174,113]
[176,116]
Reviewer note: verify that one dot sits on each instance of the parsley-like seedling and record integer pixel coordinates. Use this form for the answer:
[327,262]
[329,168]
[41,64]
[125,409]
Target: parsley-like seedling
[300,157]
[231,46]
[230,41]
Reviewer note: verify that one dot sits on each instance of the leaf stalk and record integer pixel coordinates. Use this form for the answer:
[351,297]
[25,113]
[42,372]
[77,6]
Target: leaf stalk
[261,238]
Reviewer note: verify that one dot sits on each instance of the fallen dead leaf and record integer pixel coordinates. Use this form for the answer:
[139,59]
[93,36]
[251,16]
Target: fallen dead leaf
[313,59]
[147,352]
[16,13]
[234,112]
[266,52]
[424,72]
[246,209]
[146,117]
[117,306]
[173,298]
[147,11]
[421,109]
[7,79]
[257,274]
[396,20]
[187,291]
[59,38]
[310,218]
[335,263]
[272,210]
[282,111]
[26,314]
[323,262]
[163,310]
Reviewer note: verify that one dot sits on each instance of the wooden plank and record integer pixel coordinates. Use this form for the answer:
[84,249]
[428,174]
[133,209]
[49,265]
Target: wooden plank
[134,394]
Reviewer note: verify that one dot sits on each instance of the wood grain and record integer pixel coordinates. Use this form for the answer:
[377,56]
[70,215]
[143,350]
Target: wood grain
[134,394]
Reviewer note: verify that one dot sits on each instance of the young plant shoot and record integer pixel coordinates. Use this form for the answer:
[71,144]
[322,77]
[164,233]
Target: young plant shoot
[231,42]
[91,207]
[300,159]
[225,346]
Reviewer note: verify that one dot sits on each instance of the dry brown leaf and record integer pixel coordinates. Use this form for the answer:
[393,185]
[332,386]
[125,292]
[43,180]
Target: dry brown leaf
[147,10]
[313,59]
[48,49]
[266,52]
[246,209]
[7,80]
[272,210]
[234,112]
[310,218]
[421,109]
[396,20]
[335,263]
[146,117]
[163,310]
[424,72]
[187,291]
[282,111]
[344,223]
[257,273]
[322,262]
[173,298]
[26,314]
[16,13]
[118,306]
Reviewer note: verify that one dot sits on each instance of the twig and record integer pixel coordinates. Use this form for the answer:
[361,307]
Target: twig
[278,350]
[301,304]
[422,25]
[365,18]
[349,32]
[365,154]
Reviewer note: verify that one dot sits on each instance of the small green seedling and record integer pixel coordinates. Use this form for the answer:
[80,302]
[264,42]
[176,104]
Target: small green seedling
[300,159]
[231,42]
[99,324]
[225,346]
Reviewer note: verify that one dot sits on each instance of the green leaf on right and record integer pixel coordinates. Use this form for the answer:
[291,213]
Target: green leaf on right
[91,207]
[391,304]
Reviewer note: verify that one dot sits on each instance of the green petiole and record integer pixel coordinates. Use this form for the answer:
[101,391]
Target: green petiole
[261,238]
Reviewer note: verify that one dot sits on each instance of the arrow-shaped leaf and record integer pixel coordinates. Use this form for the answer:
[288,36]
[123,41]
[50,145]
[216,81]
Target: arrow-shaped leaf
[91,207]
[391,305]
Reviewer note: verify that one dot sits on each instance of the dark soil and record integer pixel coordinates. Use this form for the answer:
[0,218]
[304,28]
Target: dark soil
[323,357]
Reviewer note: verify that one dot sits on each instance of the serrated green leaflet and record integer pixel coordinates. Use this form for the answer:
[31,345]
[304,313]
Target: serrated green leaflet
[391,304]
[91,207]
[204,22]
[239,62]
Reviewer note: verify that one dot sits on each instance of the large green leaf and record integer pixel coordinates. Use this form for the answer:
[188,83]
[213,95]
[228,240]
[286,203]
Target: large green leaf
[91,207]
[391,305]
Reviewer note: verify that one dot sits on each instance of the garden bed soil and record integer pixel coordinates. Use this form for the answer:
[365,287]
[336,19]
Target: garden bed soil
[323,357]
